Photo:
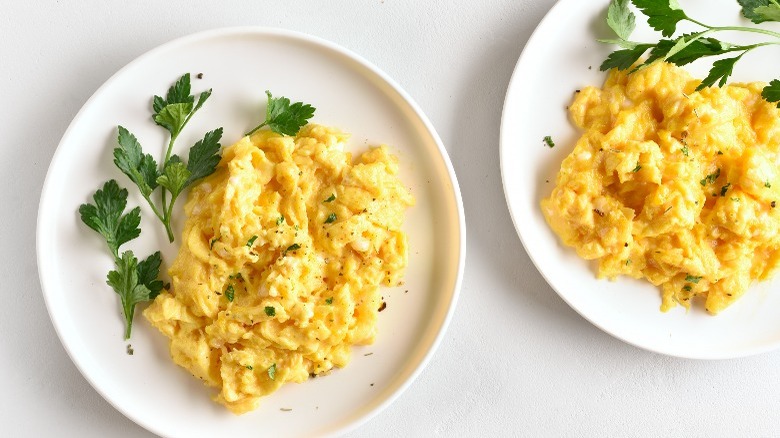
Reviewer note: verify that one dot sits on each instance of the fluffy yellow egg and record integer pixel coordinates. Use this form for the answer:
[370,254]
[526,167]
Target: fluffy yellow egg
[283,252]
[674,185]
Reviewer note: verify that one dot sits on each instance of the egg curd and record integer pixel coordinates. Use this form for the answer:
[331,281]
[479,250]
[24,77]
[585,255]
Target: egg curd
[673,185]
[283,252]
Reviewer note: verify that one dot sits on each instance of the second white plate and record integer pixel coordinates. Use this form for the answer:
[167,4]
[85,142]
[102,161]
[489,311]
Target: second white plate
[562,56]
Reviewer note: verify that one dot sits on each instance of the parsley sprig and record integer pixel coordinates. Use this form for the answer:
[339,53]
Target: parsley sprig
[172,113]
[283,117]
[134,282]
[664,16]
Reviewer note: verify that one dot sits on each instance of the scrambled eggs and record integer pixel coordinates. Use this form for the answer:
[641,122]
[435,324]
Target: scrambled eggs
[673,185]
[283,252]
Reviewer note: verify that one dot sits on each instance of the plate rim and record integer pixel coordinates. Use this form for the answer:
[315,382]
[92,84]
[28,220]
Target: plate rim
[270,32]
[521,66]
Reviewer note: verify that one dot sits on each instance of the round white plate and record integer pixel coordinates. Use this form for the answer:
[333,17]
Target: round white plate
[560,57]
[240,64]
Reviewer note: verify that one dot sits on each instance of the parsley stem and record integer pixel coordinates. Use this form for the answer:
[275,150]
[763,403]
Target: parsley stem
[746,29]
[256,128]
[128,326]
[154,208]
[167,220]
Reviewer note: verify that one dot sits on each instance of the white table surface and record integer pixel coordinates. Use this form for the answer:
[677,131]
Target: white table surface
[516,360]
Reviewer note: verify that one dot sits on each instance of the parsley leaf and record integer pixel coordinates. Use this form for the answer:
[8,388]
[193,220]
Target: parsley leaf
[204,156]
[173,112]
[105,216]
[174,178]
[125,281]
[283,117]
[270,310]
[148,271]
[130,159]
[771,93]
[686,49]
[331,218]
[173,117]
[331,198]
[549,141]
[251,241]
[662,15]
[759,11]
[620,19]
[720,72]
[623,59]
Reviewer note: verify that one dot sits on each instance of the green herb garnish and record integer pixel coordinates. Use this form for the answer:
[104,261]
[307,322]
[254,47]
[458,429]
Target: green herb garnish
[250,367]
[230,293]
[637,168]
[107,218]
[709,179]
[270,311]
[134,282]
[272,372]
[691,279]
[331,198]
[292,247]
[331,218]
[664,17]
[172,113]
[549,141]
[251,241]
[285,118]
[329,300]
[280,220]
[768,185]
[724,189]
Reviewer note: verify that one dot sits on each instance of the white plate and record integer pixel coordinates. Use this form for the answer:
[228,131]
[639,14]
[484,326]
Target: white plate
[562,56]
[240,64]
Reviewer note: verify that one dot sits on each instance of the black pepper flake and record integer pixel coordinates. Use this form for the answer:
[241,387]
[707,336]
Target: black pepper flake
[200,76]
[576,91]
[598,212]
[372,384]
[368,354]
[285,409]
[129,350]
[773,204]
[382,306]
[626,245]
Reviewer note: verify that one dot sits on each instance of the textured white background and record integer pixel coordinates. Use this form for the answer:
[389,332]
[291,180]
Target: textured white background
[516,361]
